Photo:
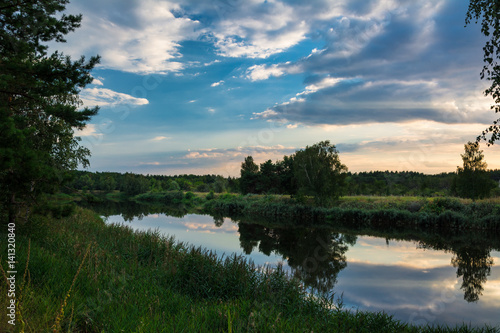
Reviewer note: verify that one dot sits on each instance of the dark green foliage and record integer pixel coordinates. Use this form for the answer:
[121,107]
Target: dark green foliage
[249,176]
[167,198]
[439,213]
[318,172]
[314,171]
[210,195]
[363,183]
[134,184]
[39,104]
[472,179]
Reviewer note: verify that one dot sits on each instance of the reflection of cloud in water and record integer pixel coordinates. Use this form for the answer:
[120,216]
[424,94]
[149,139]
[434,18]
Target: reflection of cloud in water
[413,294]
[491,293]
[402,253]
[200,226]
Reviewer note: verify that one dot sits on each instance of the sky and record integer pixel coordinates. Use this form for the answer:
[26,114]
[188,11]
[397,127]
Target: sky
[193,87]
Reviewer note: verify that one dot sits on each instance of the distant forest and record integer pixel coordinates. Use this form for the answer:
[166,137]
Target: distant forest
[406,183]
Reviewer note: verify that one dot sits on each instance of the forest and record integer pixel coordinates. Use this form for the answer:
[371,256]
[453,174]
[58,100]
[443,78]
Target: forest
[397,183]
[271,179]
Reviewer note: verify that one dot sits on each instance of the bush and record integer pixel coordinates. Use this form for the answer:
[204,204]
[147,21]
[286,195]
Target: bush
[210,196]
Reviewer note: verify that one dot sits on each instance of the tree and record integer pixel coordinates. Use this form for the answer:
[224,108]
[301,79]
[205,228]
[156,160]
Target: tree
[284,169]
[268,179]
[173,186]
[135,184]
[488,11]
[473,181]
[249,175]
[39,103]
[318,171]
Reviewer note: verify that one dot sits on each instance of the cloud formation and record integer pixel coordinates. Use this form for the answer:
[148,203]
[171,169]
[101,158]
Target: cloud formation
[386,62]
[301,66]
[104,97]
[138,37]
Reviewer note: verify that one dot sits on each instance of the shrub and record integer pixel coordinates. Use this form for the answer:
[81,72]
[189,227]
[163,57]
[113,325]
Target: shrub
[210,196]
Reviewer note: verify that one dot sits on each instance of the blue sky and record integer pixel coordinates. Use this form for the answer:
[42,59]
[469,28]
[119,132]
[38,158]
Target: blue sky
[195,86]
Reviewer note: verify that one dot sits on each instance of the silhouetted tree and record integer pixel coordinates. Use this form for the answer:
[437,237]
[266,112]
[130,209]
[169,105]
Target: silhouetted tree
[472,179]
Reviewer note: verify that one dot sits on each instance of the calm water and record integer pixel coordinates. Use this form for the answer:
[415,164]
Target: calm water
[443,280]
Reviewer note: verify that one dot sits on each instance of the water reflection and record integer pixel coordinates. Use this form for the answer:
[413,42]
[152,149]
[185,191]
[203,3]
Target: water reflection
[473,264]
[317,255]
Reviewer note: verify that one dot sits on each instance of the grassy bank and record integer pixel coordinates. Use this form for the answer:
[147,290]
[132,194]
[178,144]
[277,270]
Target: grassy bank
[351,211]
[77,274]
[366,212]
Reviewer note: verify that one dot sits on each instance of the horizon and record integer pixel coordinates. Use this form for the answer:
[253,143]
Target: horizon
[189,87]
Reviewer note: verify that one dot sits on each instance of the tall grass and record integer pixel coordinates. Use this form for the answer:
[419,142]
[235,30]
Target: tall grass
[376,212]
[130,281]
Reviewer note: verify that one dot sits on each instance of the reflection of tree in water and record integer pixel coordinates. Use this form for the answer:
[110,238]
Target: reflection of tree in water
[130,210]
[218,221]
[474,265]
[316,256]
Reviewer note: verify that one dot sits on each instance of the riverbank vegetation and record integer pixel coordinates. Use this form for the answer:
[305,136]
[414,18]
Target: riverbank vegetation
[379,212]
[79,274]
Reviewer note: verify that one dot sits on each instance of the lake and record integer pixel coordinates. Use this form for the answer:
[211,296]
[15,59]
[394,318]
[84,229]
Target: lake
[416,277]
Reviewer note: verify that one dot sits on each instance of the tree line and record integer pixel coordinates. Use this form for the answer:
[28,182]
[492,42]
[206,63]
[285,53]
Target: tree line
[314,171]
[317,171]
[133,184]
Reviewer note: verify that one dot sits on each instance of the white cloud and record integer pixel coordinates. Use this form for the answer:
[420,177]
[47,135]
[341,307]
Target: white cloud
[263,72]
[257,29]
[106,97]
[97,82]
[143,38]
[324,83]
[215,84]
[88,130]
[211,110]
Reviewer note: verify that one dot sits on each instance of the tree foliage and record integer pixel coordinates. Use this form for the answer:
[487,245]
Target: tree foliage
[319,172]
[39,103]
[314,171]
[488,11]
[249,176]
[473,180]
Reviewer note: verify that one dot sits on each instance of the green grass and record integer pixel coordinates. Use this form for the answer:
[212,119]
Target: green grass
[77,274]
[362,211]
[350,211]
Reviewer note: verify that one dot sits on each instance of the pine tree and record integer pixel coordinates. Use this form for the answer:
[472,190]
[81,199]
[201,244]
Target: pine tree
[39,103]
